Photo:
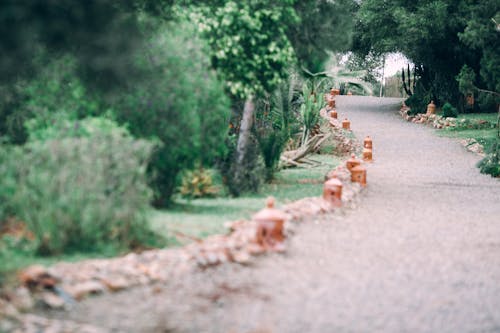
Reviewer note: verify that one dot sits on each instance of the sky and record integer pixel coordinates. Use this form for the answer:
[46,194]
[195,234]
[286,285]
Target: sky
[394,62]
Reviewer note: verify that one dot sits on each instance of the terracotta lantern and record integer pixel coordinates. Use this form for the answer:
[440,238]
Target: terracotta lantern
[331,103]
[270,223]
[368,143]
[334,92]
[352,162]
[431,108]
[367,155]
[333,114]
[332,191]
[346,124]
[358,175]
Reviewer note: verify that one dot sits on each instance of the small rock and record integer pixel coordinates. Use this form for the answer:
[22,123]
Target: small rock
[115,283]
[241,257]
[22,299]
[52,300]
[83,289]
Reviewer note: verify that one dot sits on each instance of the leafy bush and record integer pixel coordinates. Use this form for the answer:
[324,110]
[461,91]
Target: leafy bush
[449,111]
[277,120]
[419,100]
[83,192]
[197,184]
[253,173]
[9,158]
[490,164]
[309,111]
[178,100]
[488,102]
[55,92]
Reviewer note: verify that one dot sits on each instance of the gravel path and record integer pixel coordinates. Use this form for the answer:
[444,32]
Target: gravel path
[421,253]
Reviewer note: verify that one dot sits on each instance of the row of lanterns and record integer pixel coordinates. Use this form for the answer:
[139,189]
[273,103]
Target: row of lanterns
[270,221]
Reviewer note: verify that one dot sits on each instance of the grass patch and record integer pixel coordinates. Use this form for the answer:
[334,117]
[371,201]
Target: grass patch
[203,217]
[485,137]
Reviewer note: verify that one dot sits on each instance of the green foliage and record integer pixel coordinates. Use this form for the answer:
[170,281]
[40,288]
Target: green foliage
[197,184]
[277,120]
[490,164]
[440,37]
[9,159]
[253,172]
[449,111]
[419,100]
[466,79]
[54,93]
[82,192]
[248,43]
[325,27]
[309,111]
[178,100]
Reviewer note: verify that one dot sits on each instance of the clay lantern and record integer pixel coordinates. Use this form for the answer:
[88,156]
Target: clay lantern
[331,103]
[346,124]
[358,175]
[334,92]
[367,155]
[352,162]
[368,143]
[333,114]
[431,108]
[270,223]
[368,149]
[332,191]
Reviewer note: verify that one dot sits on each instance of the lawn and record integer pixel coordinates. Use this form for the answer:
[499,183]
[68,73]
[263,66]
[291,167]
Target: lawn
[202,217]
[486,137]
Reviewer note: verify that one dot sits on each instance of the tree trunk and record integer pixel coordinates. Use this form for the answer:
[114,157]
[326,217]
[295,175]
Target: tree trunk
[244,137]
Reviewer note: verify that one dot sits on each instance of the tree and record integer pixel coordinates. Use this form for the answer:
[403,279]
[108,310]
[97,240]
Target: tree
[325,26]
[251,51]
[433,34]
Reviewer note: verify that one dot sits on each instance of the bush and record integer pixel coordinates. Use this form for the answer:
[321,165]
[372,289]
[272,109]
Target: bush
[84,192]
[55,92]
[179,101]
[276,121]
[449,111]
[490,164]
[9,158]
[253,173]
[198,184]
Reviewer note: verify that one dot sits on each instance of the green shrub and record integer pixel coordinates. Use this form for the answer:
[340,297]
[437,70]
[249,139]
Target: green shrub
[198,183]
[9,158]
[55,92]
[178,100]
[84,192]
[449,111]
[253,173]
[276,121]
[490,164]
[487,102]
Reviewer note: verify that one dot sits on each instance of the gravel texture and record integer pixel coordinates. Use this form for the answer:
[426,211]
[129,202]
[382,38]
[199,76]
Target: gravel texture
[420,253]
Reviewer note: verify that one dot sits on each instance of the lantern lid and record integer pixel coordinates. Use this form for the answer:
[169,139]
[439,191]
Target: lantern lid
[358,168]
[353,158]
[368,138]
[333,182]
[270,213]
[432,102]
